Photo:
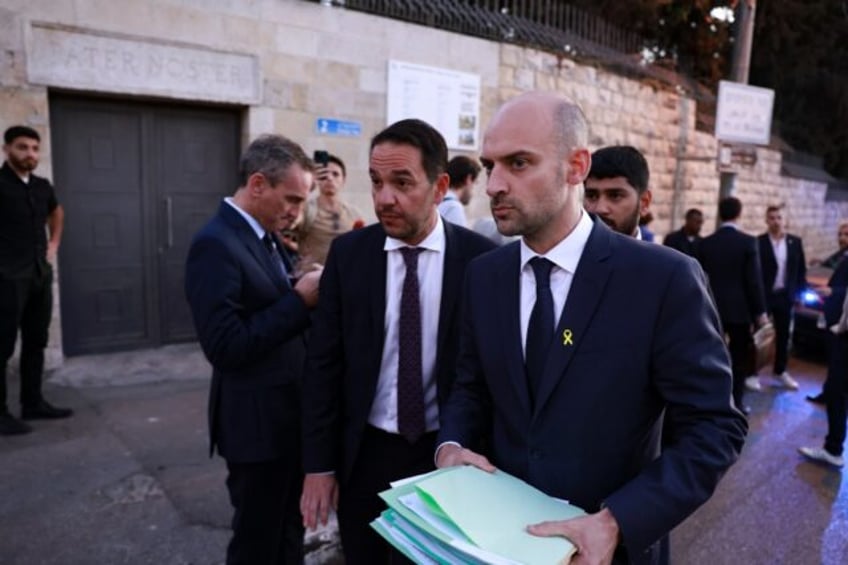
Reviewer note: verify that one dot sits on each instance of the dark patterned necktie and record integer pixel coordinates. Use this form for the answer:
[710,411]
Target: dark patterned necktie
[540,330]
[410,392]
[276,258]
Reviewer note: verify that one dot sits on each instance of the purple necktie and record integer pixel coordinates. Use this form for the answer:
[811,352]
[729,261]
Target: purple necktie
[410,393]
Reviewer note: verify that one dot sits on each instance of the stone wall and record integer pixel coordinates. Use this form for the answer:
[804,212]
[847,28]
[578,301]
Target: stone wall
[661,124]
[316,61]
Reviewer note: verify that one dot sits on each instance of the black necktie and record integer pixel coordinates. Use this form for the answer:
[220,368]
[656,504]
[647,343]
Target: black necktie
[540,330]
[276,258]
[410,388]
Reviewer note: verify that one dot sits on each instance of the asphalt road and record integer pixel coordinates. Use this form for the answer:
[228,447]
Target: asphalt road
[127,480]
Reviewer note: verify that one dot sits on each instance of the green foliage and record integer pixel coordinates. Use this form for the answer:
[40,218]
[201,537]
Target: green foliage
[800,50]
[680,35]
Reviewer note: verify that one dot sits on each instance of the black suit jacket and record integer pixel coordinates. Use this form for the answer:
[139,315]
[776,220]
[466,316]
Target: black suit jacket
[796,265]
[346,341]
[731,261]
[250,323]
[644,338]
[678,240]
[838,284]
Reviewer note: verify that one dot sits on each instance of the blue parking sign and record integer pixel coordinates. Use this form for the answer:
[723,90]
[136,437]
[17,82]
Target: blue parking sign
[342,128]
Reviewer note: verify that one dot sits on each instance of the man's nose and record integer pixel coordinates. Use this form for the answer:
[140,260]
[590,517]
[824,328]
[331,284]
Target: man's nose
[495,182]
[382,195]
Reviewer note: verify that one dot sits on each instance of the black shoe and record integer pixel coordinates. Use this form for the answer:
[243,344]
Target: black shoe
[11,426]
[44,411]
[817,399]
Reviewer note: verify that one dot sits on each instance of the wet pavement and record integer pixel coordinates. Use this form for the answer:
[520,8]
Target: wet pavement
[128,479]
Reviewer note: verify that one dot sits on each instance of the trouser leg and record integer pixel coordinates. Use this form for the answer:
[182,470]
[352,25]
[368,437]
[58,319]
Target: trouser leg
[267,526]
[741,357]
[780,308]
[383,457]
[12,297]
[835,388]
[35,327]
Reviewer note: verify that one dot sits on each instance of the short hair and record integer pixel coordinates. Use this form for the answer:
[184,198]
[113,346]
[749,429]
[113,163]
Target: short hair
[729,208]
[621,161]
[461,167]
[15,132]
[422,136]
[772,208]
[692,212]
[338,161]
[571,128]
[272,155]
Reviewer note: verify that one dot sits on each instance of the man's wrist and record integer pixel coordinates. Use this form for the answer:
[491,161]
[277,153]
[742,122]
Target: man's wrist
[608,521]
[439,448]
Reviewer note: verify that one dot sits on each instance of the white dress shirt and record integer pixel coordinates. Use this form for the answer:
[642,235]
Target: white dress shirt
[565,256]
[451,210]
[779,248]
[431,266]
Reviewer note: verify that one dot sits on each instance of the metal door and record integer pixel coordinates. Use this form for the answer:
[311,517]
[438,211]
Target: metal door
[136,180]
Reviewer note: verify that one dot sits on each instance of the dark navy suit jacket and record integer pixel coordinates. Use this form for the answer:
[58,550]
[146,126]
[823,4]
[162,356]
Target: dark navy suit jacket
[346,340]
[250,324]
[796,265]
[644,338]
[731,260]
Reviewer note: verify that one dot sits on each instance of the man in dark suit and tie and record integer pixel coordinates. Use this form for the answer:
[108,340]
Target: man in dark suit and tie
[384,341]
[687,239]
[784,271]
[575,340]
[250,321]
[731,260]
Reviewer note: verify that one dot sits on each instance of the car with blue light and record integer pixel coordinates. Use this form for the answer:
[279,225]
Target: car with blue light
[808,332]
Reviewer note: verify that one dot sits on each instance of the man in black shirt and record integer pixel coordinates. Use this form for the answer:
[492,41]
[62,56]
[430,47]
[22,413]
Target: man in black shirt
[27,204]
[688,238]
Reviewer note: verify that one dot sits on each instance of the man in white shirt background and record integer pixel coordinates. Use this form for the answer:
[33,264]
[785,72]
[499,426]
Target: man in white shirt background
[784,272]
[463,173]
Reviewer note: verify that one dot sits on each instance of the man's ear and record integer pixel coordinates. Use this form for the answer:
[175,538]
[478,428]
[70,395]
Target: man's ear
[442,184]
[256,183]
[578,166]
[645,201]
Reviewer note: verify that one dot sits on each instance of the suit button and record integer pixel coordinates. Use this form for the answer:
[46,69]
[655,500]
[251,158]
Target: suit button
[535,454]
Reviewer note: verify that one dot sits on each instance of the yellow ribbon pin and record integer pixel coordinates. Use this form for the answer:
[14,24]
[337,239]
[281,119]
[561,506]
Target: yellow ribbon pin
[566,338]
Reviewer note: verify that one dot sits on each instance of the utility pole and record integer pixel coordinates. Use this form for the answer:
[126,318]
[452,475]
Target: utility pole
[743,39]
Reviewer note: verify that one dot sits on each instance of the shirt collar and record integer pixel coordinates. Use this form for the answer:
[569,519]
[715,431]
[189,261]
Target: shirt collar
[565,254]
[254,225]
[730,224]
[435,240]
[449,195]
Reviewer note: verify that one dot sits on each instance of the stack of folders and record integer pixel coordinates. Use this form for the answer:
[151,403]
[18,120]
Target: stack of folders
[465,515]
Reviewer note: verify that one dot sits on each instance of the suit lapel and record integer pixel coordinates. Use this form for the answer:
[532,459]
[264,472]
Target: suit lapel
[374,285]
[287,263]
[248,237]
[451,287]
[769,252]
[587,290]
[507,303]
